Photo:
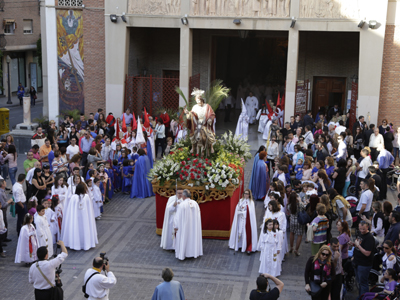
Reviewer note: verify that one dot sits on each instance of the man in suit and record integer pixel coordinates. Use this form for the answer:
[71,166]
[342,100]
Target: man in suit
[358,124]
[367,134]
[333,111]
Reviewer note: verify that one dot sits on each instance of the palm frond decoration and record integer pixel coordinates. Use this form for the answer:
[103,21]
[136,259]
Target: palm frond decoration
[190,103]
[216,93]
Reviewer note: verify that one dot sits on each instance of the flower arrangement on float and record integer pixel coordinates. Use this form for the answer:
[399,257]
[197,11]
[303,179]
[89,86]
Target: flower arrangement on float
[222,171]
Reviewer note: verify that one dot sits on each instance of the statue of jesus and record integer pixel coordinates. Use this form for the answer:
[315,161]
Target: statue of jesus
[200,121]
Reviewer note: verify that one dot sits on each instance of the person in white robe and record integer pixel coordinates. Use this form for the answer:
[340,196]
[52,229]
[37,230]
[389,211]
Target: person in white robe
[242,127]
[71,191]
[187,226]
[267,131]
[60,188]
[27,242]
[79,231]
[275,212]
[268,245]
[97,198]
[168,234]
[252,107]
[44,236]
[245,214]
[262,116]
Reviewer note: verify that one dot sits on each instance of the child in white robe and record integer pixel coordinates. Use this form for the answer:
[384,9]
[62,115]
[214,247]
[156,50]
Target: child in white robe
[27,242]
[43,232]
[267,245]
[97,199]
[278,253]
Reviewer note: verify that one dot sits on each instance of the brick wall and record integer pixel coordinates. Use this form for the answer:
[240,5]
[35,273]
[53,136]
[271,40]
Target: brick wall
[390,82]
[95,55]
[28,9]
[328,54]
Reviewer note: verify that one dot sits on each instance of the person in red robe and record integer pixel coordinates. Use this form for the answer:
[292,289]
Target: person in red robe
[166,120]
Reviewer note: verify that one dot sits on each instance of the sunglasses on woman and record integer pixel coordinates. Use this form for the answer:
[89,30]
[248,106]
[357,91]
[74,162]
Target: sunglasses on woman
[325,254]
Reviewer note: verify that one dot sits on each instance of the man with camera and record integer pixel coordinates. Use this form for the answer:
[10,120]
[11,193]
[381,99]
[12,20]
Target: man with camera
[261,292]
[42,274]
[97,285]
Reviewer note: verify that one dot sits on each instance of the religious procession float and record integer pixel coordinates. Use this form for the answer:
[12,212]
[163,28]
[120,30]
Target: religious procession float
[211,167]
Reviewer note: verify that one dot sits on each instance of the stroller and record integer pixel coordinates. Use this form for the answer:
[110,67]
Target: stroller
[392,178]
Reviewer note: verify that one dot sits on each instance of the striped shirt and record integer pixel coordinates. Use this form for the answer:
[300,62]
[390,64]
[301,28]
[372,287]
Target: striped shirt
[322,224]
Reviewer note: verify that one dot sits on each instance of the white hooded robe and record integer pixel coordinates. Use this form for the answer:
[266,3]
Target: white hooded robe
[167,236]
[187,220]
[242,127]
[238,237]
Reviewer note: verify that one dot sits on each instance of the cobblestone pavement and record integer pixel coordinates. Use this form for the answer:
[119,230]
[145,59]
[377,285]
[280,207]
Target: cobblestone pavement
[127,233]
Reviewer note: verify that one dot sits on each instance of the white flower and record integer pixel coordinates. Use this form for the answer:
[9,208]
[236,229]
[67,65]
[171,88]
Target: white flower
[212,185]
[207,188]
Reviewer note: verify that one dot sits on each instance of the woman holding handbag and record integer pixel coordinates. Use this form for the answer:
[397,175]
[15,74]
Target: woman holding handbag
[318,275]
[33,94]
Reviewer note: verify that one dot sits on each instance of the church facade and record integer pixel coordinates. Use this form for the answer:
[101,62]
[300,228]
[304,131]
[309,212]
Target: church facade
[327,45]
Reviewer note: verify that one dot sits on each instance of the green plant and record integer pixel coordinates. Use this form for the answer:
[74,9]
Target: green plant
[42,121]
[75,113]
[214,95]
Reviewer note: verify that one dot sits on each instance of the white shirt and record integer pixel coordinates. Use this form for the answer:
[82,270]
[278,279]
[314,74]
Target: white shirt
[376,140]
[72,150]
[29,175]
[98,286]
[48,269]
[365,163]
[365,198]
[229,100]
[18,193]
[309,138]
[273,150]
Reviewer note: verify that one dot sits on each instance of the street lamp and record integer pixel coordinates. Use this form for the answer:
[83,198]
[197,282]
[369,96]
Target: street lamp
[8,59]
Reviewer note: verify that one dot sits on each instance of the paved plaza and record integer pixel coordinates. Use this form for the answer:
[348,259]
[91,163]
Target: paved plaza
[127,232]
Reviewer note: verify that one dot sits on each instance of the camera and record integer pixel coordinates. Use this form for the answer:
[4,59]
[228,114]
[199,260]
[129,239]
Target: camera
[105,259]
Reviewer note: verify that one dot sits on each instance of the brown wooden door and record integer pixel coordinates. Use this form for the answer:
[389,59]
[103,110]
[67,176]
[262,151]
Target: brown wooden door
[321,93]
[328,91]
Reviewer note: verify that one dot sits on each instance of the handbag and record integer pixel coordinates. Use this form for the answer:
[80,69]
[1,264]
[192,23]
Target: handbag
[303,218]
[57,293]
[316,289]
[12,208]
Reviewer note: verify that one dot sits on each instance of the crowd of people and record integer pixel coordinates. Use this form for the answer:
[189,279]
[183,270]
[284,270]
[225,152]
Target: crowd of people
[316,174]
[71,172]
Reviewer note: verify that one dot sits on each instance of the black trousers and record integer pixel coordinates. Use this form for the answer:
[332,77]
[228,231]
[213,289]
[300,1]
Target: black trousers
[374,154]
[336,286]
[21,212]
[44,294]
[160,142]
[84,159]
[383,190]
[324,295]
[4,211]
[227,113]
[2,238]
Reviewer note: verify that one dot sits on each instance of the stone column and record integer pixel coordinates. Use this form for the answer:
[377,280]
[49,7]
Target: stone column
[49,59]
[291,72]
[185,57]
[370,62]
[185,64]
[27,110]
[117,53]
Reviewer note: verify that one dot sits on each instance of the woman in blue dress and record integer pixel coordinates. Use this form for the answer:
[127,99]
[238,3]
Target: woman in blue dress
[260,183]
[256,159]
[141,186]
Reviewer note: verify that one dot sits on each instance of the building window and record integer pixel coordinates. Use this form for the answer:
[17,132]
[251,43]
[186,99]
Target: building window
[70,3]
[28,27]
[9,26]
